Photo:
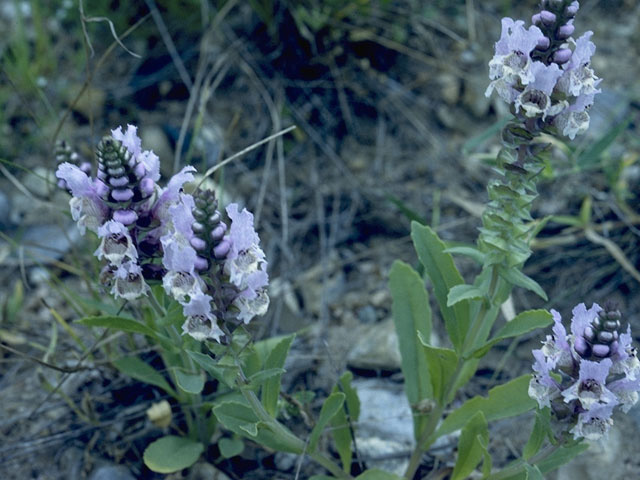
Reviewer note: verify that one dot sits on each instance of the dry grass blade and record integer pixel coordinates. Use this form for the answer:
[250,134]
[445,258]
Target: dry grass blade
[244,151]
[614,250]
[85,20]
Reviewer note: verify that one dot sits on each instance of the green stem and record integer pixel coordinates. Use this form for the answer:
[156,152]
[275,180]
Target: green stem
[518,466]
[289,439]
[427,437]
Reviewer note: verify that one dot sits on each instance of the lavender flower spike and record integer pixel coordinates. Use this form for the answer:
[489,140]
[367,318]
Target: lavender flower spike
[585,375]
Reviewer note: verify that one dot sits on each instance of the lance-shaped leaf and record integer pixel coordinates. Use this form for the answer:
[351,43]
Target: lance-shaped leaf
[523,323]
[444,276]
[411,317]
[331,406]
[541,429]
[350,411]
[136,368]
[271,388]
[471,446]
[503,401]
[188,381]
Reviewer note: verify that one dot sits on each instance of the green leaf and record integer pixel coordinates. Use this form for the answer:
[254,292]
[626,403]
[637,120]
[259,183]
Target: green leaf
[467,251]
[533,473]
[271,388]
[171,454]
[331,406]
[471,446]
[118,323]
[230,447]
[238,416]
[407,211]
[225,370]
[263,376]
[462,292]
[188,381]
[442,271]
[541,429]
[411,317]
[340,422]
[516,277]
[375,474]
[139,370]
[442,363]
[521,324]
[503,401]
[561,456]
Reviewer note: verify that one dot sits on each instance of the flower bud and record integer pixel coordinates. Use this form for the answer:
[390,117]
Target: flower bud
[198,243]
[125,217]
[547,17]
[565,31]
[536,20]
[562,56]
[572,9]
[147,186]
[122,195]
[543,43]
[222,249]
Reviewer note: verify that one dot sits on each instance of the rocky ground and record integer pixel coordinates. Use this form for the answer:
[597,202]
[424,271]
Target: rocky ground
[391,124]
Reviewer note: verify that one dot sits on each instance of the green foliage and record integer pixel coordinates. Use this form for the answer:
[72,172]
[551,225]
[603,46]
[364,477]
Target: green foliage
[350,411]
[189,382]
[503,401]
[444,276]
[442,363]
[541,430]
[275,360]
[523,323]
[171,454]
[136,368]
[471,447]
[241,419]
[411,316]
[331,406]
[230,447]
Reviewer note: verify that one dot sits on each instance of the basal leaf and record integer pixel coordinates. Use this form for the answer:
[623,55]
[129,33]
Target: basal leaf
[331,406]
[444,276]
[171,454]
[411,316]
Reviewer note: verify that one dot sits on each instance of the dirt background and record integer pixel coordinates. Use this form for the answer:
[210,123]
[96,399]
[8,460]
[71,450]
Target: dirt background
[391,124]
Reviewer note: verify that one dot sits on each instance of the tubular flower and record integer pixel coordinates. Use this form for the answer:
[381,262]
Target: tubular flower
[587,373]
[543,72]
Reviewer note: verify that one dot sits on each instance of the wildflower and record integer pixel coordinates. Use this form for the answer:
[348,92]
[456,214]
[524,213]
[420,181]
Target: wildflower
[588,372]
[543,72]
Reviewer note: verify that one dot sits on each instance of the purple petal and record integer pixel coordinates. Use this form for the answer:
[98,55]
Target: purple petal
[583,52]
[77,181]
[546,76]
[199,306]
[129,139]
[597,371]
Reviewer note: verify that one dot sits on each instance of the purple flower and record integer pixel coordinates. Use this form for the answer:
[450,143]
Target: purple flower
[171,193]
[542,387]
[590,388]
[201,323]
[588,372]
[594,423]
[117,245]
[87,207]
[129,282]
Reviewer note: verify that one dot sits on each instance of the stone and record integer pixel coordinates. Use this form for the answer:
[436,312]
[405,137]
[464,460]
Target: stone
[385,425]
[111,472]
[376,347]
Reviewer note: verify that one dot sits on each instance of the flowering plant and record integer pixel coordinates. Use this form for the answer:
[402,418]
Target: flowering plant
[205,276]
